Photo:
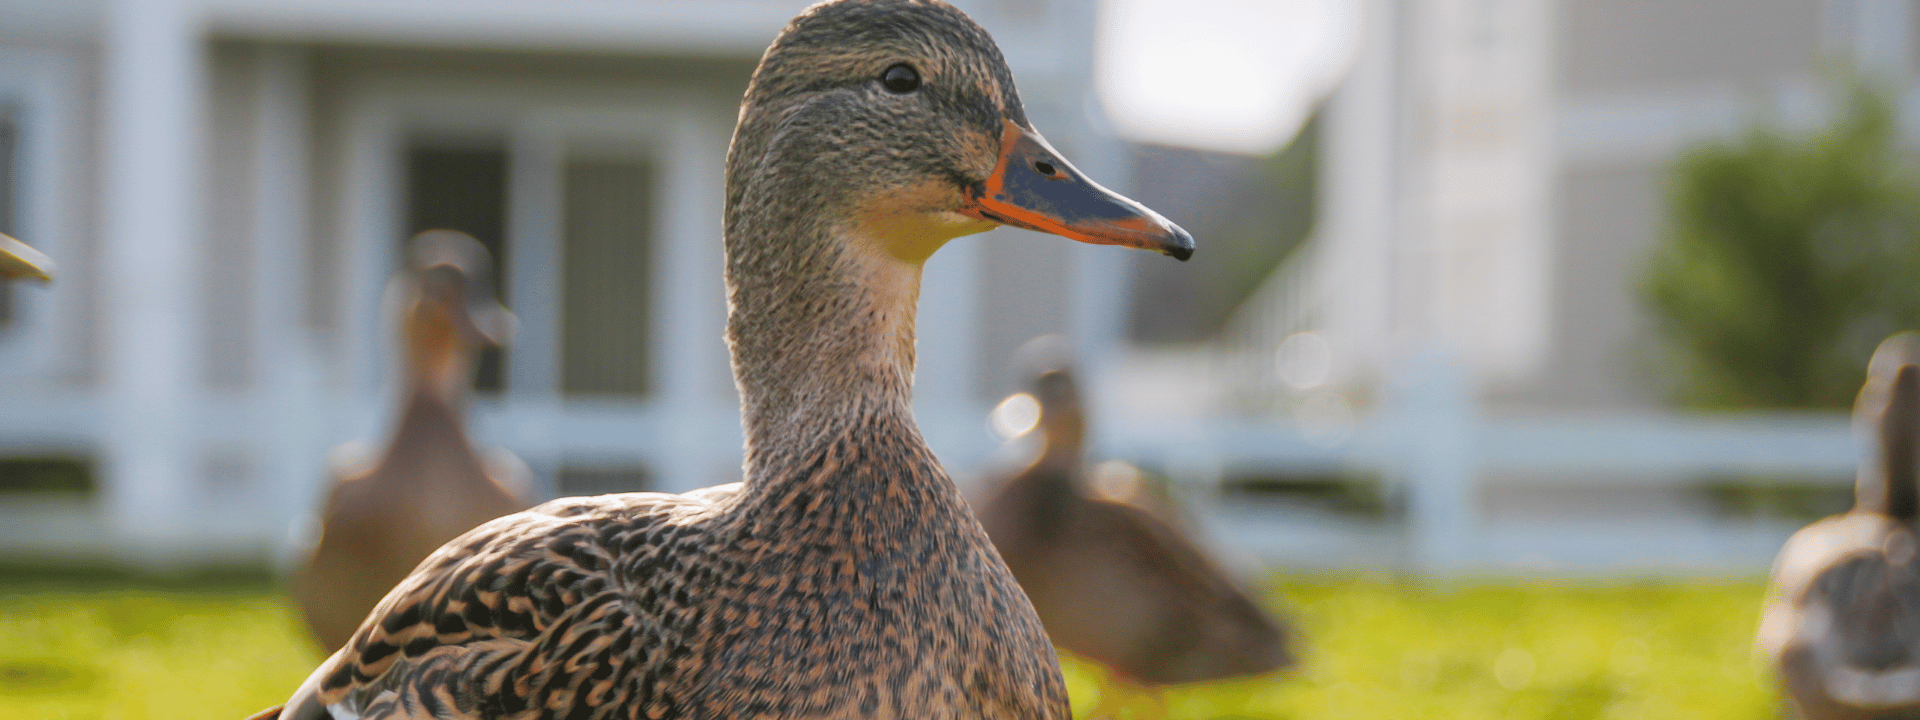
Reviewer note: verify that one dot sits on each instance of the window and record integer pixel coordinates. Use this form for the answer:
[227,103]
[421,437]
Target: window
[606,230]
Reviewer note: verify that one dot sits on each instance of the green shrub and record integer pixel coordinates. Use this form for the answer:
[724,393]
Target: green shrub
[1786,260]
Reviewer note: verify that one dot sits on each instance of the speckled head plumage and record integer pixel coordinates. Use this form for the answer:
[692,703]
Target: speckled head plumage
[822,82]
[841,182]
[821,107]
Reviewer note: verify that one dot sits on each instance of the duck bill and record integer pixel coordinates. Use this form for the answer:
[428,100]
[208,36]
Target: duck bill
[489,323]
[1035,188]
[20,260]
[482,318]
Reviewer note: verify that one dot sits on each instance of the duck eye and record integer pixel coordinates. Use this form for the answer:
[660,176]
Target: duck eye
[901,79]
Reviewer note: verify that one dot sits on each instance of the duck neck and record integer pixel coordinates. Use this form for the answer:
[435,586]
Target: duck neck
[823,341]
[438,370]
[439,364]
[429,419]
[1062,443]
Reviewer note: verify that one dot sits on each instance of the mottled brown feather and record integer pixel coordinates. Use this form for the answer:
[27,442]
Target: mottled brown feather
[812,601]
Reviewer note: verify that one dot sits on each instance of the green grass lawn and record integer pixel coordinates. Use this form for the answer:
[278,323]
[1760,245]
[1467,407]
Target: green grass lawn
[1374,648]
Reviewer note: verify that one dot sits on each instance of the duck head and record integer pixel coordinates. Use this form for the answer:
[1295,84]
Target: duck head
[1063,422]
[1888,412]
[1047,362]
[450,311]
[910,121]
[873,132]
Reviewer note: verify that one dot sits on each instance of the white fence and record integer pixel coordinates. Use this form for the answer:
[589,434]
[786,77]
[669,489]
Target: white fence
[1444,461]
[1428,443]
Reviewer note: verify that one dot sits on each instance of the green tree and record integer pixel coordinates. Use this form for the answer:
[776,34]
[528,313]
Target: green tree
[1786,260]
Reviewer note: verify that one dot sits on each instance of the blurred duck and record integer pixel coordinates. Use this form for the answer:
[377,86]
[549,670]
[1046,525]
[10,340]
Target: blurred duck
[1842,623]
[1113,578]
[19,261]
[431,484]
[845,577]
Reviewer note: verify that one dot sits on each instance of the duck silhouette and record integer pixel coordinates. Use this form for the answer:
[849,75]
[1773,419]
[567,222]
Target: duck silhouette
[1114,579]
[1842,622]
[431,484]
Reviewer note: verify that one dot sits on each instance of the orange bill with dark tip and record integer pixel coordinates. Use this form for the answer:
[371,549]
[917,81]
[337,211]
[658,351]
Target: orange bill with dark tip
[1035,188]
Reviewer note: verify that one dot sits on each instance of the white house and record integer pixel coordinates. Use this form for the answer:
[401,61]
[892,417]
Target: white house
[226,185]
[1492,182]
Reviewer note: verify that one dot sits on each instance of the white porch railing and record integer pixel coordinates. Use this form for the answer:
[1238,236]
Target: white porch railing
[1427,443]
[1434,451]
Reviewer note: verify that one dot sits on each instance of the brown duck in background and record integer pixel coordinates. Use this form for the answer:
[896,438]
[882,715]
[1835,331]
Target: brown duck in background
[845,576]
[1842,623]
[431,484]
[1114,582]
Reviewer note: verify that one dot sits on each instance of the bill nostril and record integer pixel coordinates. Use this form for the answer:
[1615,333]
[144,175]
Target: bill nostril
[1046,169]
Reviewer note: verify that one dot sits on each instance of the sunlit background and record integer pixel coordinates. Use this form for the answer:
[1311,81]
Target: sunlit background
[1435,377]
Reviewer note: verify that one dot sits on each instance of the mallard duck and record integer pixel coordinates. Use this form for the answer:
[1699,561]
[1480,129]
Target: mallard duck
[1842,623]
[19,261]
[1113,580]
[845,575]
[431,484]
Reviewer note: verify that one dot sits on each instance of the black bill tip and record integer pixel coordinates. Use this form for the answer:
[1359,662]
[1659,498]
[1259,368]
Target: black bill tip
[1181,247]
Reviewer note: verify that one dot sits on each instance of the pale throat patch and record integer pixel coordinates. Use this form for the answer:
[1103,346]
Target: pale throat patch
[911,222]
[893,235]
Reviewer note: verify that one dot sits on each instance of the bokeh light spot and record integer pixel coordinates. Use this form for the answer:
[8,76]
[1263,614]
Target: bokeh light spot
[1304,360]
[1513,669]
[1015,416]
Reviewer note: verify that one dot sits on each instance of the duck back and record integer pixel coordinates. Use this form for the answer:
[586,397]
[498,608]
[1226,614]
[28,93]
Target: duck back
[378,525]
[858,585]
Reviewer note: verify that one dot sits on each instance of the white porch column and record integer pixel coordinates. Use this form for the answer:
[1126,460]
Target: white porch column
[365,345]
[154,75]
[1439,436]
[537,157]
[947,355]
[294,431]
[1100,278]
[1354,276]
[700,428]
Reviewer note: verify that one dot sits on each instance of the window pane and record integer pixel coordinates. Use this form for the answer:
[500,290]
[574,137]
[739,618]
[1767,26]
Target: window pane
[465,189]
[606,229]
